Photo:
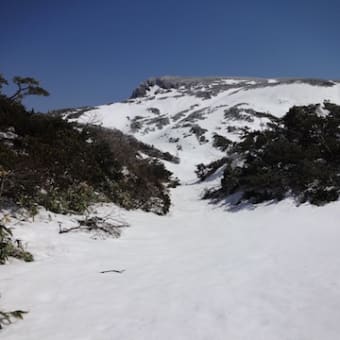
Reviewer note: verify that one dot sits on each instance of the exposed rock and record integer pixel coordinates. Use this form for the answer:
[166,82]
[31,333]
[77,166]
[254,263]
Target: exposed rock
[211,86]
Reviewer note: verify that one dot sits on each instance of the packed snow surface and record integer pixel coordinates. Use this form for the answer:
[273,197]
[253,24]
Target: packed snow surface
[204,271]
[199,273]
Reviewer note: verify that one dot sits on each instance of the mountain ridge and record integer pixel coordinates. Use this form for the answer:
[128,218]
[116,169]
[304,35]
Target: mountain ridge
[168,82]
[181,115]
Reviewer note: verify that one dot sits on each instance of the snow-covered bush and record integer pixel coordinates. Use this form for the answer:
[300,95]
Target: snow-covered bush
[8,248]
[298,156]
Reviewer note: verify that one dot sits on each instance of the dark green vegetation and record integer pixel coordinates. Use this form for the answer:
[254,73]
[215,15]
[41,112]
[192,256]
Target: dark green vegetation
[10,248]
[298,156]
[221,142]
[64,167]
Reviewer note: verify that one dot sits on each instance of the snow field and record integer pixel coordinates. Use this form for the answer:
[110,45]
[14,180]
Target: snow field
[199,273]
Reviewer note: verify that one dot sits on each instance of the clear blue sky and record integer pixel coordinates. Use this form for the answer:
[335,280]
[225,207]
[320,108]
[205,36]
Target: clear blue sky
[95,52]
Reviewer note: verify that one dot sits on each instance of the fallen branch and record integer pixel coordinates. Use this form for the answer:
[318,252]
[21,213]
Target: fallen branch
[113,271]
[64,230]
[6,318]
[99,225]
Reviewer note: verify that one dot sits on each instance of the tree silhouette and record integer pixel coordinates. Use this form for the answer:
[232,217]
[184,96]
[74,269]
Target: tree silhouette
[27,86]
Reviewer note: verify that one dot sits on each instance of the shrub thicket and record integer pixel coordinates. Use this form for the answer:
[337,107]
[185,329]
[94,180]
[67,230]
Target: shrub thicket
[299,155]
[45,160]
[221,142]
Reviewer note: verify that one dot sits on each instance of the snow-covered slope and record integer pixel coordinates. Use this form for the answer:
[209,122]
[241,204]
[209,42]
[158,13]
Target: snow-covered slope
[181,115]
[201,272]
[269,272]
